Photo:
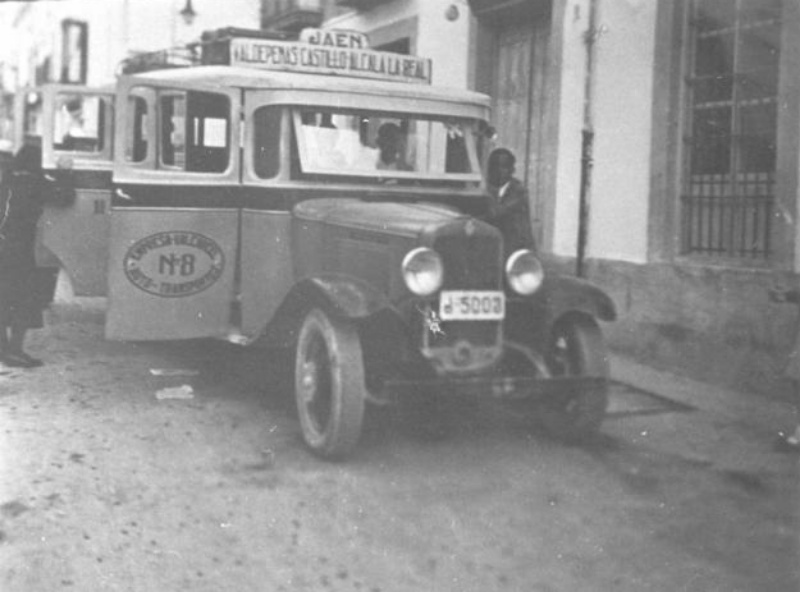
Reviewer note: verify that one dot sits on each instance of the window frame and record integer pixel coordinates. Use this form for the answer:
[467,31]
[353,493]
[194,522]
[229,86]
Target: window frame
[282,116]
[669,153]
[475,176]
[144,122]
[53,154]
[286,99]
[151,170]
[726,214]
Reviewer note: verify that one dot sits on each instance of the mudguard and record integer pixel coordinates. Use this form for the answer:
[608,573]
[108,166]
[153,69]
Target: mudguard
[563,294]
[530,320]
[341,296]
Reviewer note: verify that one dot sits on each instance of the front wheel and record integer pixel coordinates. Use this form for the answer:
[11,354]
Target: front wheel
[329,385]
[576,348]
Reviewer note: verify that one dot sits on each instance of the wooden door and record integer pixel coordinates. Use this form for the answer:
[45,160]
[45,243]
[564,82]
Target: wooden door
[512,91]
[520,106]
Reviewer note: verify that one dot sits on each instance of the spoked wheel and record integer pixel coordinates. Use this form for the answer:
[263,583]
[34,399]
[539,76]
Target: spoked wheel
[329,385]
[576,348]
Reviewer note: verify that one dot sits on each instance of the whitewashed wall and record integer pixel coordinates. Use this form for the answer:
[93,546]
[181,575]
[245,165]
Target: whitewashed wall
[623,128]
[116,27]
[571,114]
[621,114]
[444,41]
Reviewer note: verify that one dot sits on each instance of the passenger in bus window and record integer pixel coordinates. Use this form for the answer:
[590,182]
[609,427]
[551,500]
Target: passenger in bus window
[508,208]
[24,289]
[391,146]
[76,137]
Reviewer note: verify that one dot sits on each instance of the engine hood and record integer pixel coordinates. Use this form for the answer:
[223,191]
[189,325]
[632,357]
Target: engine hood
[403,219]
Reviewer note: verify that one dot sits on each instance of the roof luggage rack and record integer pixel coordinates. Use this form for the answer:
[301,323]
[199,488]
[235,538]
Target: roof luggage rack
[212,49]
[216,47]
[173,57]
[314,51]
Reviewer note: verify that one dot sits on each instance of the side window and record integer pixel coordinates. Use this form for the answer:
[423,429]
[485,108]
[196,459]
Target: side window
[456,154]
[266,141]
[172,130]
[80,123]
[194,132]
[136,149]
[207,132]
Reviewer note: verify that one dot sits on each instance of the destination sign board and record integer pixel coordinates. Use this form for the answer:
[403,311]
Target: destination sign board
[329,58]
[335,38]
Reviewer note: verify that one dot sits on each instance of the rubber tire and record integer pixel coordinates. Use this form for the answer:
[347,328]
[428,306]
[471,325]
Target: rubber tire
[329,385]
[576,348]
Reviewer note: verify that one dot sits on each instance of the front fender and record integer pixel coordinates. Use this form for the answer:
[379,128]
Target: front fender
[530,320]
[344,296]
[340,296]
[563,294]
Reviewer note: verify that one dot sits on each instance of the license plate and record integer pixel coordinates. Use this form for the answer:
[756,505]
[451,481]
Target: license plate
[472,305]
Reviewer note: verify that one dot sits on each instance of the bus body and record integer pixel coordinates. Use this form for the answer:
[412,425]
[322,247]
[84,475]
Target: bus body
[319,196]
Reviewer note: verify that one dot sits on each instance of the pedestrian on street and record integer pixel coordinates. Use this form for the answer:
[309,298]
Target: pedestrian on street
[790,441]
[508,208]
[22,195]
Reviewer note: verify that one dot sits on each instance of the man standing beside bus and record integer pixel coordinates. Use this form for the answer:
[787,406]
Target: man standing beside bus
[508,208]
[24,191]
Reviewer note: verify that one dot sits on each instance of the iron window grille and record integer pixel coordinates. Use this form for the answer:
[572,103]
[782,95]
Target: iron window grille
[728,187]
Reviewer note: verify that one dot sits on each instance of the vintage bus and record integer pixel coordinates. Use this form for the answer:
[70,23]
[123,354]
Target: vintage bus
[324,197]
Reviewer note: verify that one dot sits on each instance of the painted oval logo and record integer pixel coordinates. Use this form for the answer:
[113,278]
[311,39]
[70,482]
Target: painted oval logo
[174,264]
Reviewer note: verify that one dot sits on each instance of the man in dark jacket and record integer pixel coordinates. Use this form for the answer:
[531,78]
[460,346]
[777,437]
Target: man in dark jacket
[508,208]
[22,195]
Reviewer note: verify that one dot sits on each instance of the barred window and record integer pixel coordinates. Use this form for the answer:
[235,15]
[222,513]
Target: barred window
[729,169]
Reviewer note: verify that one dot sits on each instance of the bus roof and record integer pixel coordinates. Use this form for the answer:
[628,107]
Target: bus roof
[210,77]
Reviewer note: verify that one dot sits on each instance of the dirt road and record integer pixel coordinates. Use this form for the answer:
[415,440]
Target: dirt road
[106,486]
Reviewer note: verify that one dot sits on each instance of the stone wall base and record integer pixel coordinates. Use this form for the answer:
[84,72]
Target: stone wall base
[716,325]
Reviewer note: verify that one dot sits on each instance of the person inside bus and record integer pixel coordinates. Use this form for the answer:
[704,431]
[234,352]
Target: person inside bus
[507,206]
[23,293]
[76,137]
[391,145]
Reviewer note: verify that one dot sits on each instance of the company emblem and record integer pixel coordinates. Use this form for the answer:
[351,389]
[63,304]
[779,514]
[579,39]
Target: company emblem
[433,322]
[174,264]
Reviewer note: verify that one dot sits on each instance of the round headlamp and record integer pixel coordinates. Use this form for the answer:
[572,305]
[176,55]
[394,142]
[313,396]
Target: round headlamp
[423,271]
[524,272]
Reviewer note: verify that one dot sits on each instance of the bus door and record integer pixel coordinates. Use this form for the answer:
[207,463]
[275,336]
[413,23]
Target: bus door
[77,143]
[266,260]
[174,239]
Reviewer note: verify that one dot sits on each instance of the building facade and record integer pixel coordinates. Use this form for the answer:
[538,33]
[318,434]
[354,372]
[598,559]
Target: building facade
[658,138]
[84,41]
[659,142]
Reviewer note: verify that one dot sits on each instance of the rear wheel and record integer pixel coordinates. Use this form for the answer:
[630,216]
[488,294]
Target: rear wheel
[329,385]
[576,348]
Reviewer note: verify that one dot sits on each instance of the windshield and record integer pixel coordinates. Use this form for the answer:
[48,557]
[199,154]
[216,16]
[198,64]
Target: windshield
[376,144]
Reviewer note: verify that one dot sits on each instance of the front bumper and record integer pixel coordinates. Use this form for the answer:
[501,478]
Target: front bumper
[496,387]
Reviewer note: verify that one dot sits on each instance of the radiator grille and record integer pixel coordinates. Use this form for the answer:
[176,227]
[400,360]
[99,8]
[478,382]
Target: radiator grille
[470,263]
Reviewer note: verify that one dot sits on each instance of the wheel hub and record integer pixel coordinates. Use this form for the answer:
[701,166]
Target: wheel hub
[308,381]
